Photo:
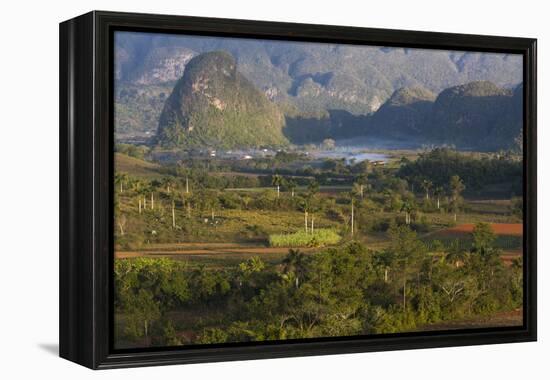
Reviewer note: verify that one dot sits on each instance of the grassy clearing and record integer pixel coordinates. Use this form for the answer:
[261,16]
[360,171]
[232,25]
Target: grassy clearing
[319,238]
[137,167]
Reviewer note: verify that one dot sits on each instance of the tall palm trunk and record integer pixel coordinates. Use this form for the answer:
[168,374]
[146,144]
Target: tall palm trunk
[312,218]
[173,215]
[152,202]
[140,206]
[187,184]
[305,220]
[352,217]
[404,294]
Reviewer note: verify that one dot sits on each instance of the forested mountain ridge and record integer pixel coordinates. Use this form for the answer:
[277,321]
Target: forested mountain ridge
[335,91]
[476,115]
[213,105]
[404,114]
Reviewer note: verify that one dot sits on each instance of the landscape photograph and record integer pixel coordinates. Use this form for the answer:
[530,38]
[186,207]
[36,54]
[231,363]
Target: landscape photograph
[269,190]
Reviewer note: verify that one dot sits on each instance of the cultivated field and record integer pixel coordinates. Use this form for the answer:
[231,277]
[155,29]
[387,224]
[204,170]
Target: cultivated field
[324,248]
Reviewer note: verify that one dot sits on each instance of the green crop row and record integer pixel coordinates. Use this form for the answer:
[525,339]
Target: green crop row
[318,238]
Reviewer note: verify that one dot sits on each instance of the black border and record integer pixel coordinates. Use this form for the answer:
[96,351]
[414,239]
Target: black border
[86,188]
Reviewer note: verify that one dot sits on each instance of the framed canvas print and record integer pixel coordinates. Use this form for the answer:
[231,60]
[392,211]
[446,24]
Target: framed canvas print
[237,189]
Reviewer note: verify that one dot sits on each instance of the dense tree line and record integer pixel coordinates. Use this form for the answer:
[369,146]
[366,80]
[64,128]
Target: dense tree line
[439,165]
[345,290]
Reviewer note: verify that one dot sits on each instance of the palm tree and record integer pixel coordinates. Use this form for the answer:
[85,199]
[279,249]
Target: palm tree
[362,182]
[457,187]
[186,201]
[304,205]
[295,262]
[455,254]
[312,190]
[358,189]
[121,223]
[167,182]
[139,190]
[120,179]
[144,192]
[438,192]
[249,267]
[173,198]
[427,185]
[354,193]
[408,208]
[277,181]
[184,172]
[352,216]
[291,184]
[388,196]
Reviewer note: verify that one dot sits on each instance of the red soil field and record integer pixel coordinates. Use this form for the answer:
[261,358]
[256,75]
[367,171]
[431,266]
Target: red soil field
[510,229]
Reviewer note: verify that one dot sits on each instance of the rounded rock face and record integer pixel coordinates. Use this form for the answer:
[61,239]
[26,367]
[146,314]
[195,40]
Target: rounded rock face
[475,89]
[404,114]
[213,105]
[476,114]
[410,95]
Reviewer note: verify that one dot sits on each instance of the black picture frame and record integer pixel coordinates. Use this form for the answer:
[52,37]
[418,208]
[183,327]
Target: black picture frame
[86,188]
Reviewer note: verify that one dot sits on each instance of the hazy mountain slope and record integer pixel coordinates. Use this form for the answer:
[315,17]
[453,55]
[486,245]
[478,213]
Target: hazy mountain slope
[332,89]
[309,79]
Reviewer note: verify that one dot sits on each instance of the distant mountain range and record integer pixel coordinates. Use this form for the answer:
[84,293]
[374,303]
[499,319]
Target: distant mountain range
[326,90]
[477,115]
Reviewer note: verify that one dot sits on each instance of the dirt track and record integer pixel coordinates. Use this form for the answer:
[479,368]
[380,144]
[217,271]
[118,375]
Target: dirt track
[502,319]
[207,249]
